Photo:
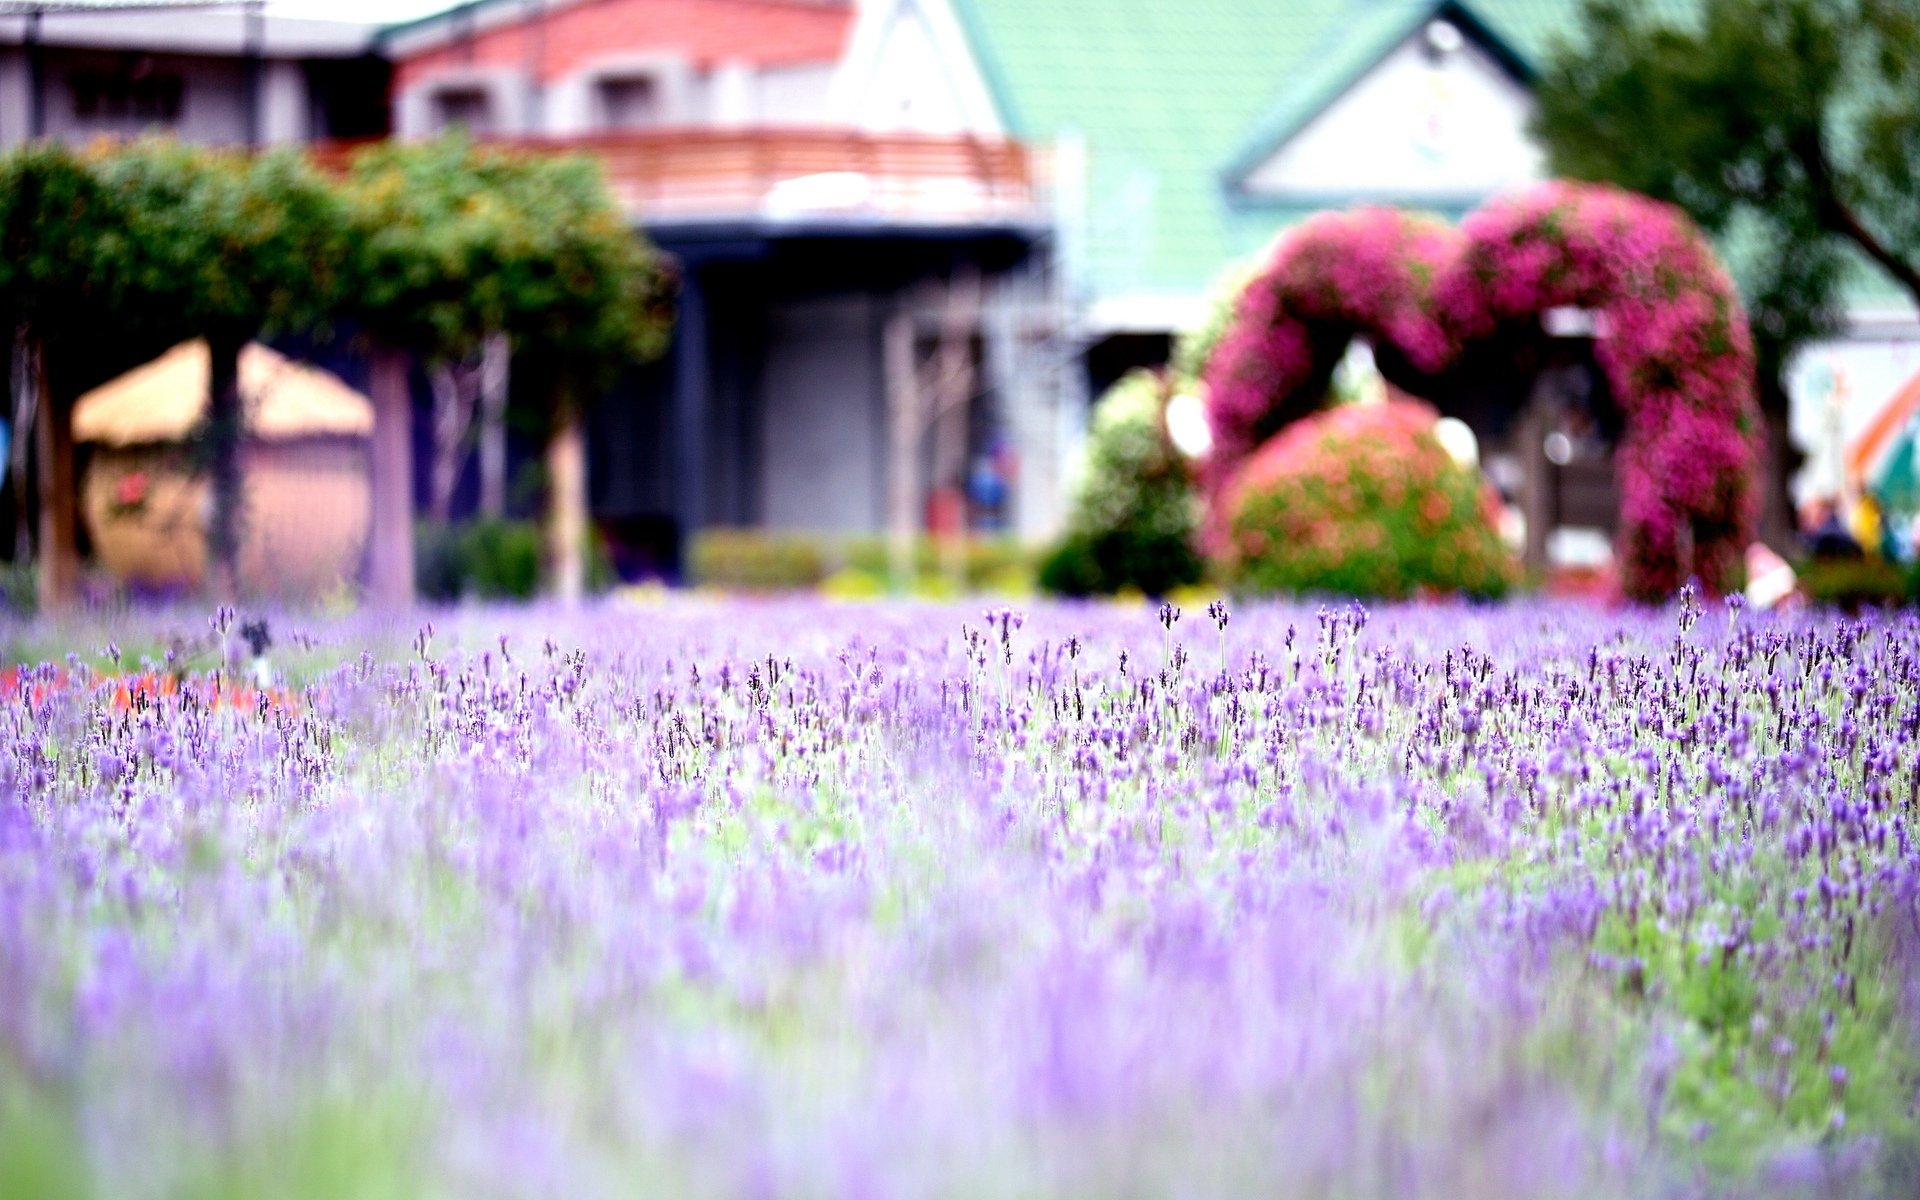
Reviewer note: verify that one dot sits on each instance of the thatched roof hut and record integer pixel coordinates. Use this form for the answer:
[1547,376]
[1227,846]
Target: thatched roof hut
[163,400]
[303,458]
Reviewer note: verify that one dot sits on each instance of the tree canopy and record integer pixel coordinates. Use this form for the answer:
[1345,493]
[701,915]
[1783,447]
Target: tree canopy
[430,247]
[61,231]
[454,241]
[1789,128]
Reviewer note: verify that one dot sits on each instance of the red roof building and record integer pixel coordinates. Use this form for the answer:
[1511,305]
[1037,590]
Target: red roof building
[573,67]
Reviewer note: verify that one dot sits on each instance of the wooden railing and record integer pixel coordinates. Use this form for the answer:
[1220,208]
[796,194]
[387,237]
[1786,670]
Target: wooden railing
[707,174]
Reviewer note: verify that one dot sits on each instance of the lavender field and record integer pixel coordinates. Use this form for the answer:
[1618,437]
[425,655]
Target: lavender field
[792,899]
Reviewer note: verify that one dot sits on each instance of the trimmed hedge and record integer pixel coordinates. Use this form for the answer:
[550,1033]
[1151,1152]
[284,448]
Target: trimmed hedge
[757,560]
[489,559]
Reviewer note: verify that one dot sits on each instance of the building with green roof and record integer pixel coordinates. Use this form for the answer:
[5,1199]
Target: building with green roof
[1186,135]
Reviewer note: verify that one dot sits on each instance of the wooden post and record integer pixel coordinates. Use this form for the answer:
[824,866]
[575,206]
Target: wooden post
[495,365]
[390,539]
[26,403]
[567,505]
[59,502]
[903,445]
[1536,497]
[226,421]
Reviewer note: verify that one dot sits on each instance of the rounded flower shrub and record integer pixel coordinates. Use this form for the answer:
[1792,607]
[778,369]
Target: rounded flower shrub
[1135,513]
[1675,347]
[1368,271]
[1362,500]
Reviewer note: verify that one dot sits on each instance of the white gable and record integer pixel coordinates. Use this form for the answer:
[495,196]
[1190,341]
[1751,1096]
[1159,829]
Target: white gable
[1438,119]
[909,67]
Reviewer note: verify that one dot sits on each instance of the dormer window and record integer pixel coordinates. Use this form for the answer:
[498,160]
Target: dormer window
[468,108]
[629,102]
[132,96]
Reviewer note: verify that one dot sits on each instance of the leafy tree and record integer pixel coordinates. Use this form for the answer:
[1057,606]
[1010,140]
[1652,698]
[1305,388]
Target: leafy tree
[63,248]
[1788,128]
[589,299]
[227,246]
[454,242]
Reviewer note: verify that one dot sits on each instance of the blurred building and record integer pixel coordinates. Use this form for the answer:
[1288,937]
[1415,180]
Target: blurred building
[916,235]
[865,318]
[223,74]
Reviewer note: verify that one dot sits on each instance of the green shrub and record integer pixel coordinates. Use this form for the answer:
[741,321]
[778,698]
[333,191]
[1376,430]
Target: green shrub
[756,560]
[483,560]
[1135,513]
[761,560]
[1362,500]
[19,589]
[1857,582]
[986,563]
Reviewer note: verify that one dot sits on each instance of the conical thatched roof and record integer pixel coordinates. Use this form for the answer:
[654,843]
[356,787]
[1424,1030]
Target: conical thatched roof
[163,400]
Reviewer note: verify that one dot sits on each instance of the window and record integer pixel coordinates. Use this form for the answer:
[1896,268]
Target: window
[468,108]
[132,94]
[629,102]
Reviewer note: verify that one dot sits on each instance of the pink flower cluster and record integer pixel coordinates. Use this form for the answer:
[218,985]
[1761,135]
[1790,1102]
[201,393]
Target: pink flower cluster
[1372,270]
[1676,351]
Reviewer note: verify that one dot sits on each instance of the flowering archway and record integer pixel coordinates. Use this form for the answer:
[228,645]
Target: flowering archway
[1674,346]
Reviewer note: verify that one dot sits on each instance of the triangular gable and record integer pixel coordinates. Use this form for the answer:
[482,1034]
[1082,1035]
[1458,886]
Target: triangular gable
[910,66]
[1407,103]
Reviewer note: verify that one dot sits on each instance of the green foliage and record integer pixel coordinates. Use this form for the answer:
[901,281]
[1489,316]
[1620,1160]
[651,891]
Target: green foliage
[42,1153]
[19,588]
[1858,583]
[63,239]
[453,241]
[492,559]
[1135,513]
[758,560]
[228,242]
[982,563]
[1789,127]
[482,560]
[1362,500]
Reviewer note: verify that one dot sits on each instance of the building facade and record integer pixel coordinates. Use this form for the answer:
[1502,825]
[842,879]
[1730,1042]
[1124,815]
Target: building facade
[221,75]
[865,333]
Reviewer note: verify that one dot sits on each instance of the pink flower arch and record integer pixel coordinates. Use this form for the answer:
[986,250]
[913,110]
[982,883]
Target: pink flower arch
[1675,348]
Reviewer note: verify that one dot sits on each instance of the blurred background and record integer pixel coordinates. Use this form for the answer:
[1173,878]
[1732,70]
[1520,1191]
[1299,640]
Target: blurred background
[911,242]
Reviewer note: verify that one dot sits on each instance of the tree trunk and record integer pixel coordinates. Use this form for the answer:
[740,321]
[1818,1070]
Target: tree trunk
[59,500]
[904,423]
[452,417]
[567,505]
[390,539]
[226,417]
[26,403]
[495,368]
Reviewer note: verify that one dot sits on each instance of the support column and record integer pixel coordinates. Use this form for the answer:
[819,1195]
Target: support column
[36,79]
[390,537]
[567,505]
[690,402]
[225,433]
[1536,501]
[903,444]
[251,57]
[59,501]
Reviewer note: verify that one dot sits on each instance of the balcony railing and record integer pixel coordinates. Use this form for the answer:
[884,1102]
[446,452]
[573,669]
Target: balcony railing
[688,175]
